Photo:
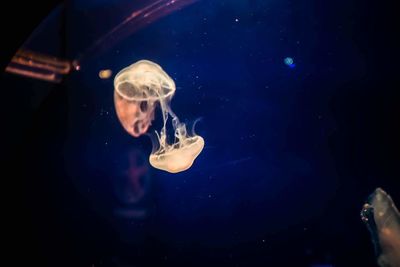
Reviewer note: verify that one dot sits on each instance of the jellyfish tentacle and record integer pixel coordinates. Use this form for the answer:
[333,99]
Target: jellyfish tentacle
[194,125]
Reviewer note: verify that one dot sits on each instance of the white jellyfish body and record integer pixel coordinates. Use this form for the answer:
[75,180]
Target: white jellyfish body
[180,155]
[138,90]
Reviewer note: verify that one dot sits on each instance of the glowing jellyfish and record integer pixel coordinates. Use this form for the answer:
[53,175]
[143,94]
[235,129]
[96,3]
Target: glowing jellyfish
[383,221]
[138,90]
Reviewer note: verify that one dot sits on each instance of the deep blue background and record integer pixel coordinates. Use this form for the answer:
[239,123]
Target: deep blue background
[290,156]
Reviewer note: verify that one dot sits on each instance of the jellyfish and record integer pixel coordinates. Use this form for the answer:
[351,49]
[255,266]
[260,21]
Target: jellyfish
[136,93]
[383,221]
[141,87]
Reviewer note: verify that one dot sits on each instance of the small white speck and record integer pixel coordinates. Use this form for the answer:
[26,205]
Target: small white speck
[263,240]
[209,196]
[237,20]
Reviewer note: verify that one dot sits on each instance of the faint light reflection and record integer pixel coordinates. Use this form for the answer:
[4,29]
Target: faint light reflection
[136,20]
[289,62]
[131,186]
[38,66]
[105,74]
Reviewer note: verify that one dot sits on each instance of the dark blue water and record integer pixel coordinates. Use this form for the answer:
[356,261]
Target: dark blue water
[291,150]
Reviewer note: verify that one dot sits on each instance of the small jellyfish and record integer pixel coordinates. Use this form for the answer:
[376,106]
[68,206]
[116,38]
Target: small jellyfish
[139,88]
[383,221]
[181,154]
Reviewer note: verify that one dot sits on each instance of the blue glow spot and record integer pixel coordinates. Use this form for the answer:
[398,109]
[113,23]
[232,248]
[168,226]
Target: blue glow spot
[289,62]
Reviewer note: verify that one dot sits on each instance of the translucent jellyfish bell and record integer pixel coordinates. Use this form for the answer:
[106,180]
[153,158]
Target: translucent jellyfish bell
[138,89]
[180,155]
